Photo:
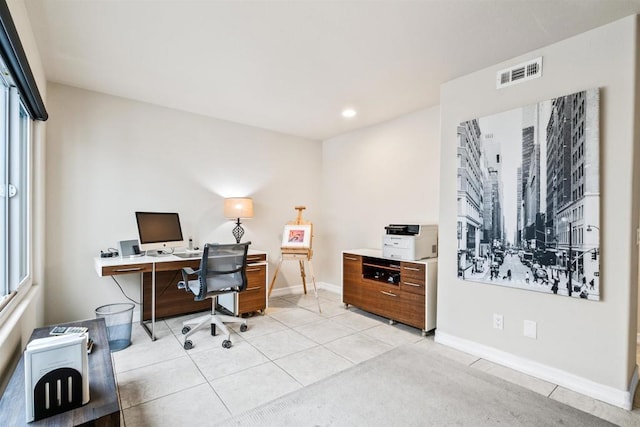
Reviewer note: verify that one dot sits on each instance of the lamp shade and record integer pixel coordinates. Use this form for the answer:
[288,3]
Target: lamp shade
[238,207]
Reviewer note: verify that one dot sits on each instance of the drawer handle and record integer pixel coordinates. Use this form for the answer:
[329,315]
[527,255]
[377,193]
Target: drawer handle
[253,289]
[412,284]
[389,294]
[350,258]
[253,269]
[412,268]
[122,270]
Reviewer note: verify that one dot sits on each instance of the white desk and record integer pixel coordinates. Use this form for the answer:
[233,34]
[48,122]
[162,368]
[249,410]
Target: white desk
[176,301]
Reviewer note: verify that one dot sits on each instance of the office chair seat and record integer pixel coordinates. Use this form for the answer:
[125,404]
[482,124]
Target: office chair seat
[222,271]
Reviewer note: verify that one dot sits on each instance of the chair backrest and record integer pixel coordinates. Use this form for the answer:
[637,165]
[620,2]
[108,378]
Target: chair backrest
[223,267]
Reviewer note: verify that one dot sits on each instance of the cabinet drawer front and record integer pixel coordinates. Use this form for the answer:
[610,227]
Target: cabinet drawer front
[351,270]
[415,271]
[412,286]
[256,275]
[412,278]
[252,299]
[413,310]
[380,298]
[352,294]
[351,264]
[178,265]
[252,259]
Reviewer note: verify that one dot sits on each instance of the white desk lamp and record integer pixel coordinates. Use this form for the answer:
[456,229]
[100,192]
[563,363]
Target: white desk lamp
[238,208]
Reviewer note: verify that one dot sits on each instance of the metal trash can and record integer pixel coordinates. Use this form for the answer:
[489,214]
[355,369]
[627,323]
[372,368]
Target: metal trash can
[118,318]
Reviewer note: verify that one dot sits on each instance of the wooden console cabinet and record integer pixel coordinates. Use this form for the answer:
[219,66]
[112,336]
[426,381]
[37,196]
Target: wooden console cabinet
[403,291]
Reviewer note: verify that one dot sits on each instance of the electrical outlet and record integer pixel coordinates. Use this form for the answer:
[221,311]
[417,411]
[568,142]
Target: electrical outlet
[530,329]
[498,321]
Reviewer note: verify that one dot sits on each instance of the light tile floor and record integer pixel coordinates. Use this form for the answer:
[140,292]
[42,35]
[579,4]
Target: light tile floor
[288,348]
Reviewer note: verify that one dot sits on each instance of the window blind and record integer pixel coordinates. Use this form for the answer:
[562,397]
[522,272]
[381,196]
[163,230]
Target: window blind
[14,57]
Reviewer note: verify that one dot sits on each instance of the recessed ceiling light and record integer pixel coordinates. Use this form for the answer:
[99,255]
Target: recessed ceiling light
[349,113]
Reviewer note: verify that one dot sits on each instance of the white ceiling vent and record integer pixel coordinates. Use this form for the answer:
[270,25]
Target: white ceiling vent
[519,73]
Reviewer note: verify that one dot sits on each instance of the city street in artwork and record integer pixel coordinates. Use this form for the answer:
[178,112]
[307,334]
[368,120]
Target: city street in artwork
[529,197]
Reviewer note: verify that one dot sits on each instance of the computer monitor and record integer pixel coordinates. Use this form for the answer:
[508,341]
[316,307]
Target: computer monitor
[159,230]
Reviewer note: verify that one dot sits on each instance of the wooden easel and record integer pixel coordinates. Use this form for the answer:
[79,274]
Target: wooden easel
[300,255]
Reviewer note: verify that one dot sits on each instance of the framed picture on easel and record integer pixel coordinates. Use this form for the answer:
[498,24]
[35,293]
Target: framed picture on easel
[296,246]
[297,236]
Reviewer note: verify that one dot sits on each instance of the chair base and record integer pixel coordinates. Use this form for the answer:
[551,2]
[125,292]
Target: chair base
[217,321]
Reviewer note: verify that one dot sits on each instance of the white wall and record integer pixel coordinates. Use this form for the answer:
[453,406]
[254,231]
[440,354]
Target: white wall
[382,174]
[108,157]
[590,345]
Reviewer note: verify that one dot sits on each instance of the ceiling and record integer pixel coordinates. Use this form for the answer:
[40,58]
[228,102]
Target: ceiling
[292,66]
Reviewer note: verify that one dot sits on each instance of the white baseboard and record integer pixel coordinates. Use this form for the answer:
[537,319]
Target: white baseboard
[330,287]
[613,396]
[298,289]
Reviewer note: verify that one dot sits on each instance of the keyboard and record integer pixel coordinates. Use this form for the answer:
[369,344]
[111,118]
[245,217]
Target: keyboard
[188,255]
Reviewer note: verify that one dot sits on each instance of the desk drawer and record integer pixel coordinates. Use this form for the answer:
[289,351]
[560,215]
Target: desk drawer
[125,269]
[178,265]
[252,259]
[253,298]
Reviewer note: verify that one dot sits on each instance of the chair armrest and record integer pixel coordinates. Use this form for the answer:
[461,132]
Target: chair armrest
[190,271]
[186,272]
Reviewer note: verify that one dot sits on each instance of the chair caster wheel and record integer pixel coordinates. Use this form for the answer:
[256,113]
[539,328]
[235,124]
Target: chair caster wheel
[226,344]
[243,327]
[185,329]
[188,345]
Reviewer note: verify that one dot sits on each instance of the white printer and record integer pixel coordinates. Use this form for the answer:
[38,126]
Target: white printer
[410,242]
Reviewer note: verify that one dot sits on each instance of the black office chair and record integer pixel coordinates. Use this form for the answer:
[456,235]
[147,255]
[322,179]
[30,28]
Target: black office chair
[222,271]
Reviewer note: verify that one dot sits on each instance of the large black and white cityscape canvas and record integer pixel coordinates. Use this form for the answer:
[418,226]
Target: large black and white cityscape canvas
[528,197]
